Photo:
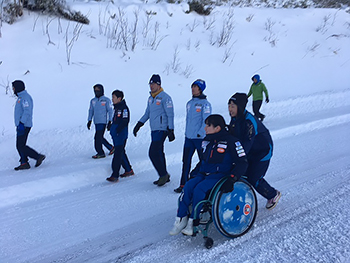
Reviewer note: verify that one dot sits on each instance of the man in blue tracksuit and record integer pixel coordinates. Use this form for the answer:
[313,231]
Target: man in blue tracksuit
[197,110]
[119,133]
[24,122]
[160,113]
[223,155]
[101,110]
[257,143]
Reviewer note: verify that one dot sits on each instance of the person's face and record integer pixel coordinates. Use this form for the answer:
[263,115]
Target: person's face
[154,87]
[232,109]
[255,80]
[196,90]
[115,99]
[210,129]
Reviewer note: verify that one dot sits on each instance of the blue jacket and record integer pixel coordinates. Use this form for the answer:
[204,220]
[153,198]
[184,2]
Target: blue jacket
[223,155]
[255,137]
[160,112]
[101,110]
[121,118]
[197,109]
[24,109]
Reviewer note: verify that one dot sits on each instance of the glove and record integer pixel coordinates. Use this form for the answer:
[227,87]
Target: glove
[88,125]
[109,124]
[21,127]
[198,135]
[267,100]
[137,127]
[171,134]
[227,187]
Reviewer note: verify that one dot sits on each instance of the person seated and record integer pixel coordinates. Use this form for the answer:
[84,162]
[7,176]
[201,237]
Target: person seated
[223,155]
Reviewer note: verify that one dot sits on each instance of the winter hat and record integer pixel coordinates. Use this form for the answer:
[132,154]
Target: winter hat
[200,83]
[257,77]
[99,93]
[155,79]
[240,99]
[18,85]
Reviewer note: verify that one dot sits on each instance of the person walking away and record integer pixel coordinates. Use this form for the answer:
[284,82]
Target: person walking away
[119,133]
[256,89]
[160,113]
[223,156]
[102,112]
[258,145]
[197,110]
[24,121]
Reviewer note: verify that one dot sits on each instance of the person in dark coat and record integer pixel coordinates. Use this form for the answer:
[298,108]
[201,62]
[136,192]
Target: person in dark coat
[24,123]
[119,133]
[258,145]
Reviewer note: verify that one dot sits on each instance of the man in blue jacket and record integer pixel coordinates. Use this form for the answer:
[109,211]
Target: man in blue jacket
[197,110]
[160,113]
[119,133]
[24,122]
[258,145]
[101,110]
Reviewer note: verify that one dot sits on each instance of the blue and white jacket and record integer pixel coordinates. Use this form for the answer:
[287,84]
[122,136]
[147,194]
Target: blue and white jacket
[100,110]
[197,110]
[160,112]
[24,109]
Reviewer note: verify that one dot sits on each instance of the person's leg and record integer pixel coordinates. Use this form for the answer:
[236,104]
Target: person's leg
[156,152]
[24,150]
[256,109]
[198,146]
[117,159]
[99,131]
[125,161]
[105,143]
[188,152]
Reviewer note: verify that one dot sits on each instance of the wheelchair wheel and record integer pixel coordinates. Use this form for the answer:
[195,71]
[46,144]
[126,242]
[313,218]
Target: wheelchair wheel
[234,212]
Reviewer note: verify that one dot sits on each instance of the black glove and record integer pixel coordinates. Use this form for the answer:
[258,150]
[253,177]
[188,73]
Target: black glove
[20,126]
[88,125]
[137,127]
[198,135]
[227,187]
[267,100]
[171,134]
[109,124]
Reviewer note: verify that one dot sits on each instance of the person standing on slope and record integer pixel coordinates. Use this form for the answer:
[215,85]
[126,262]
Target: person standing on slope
[257,88]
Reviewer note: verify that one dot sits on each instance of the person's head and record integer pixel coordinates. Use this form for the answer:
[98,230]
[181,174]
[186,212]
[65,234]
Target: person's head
[198,86]
[256,78]
[117,96]
[237,104]
[155,83]
[98,90]
[18,86]
[214,123]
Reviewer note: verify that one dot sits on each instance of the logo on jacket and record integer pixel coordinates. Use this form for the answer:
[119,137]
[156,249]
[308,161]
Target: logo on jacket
[158,101]
[198,108]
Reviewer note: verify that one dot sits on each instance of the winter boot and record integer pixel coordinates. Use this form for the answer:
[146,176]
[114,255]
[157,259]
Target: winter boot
[111,151]
[180,223]
[188,230]
[127,174]
[271,203]
[40,160]
[112,179]
[163,180]
[179,189]
[98,156]
[23,166]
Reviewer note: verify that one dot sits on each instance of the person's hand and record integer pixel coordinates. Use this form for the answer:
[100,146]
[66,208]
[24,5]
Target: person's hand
[171,134]
[137,127]
[228,184]
[267,100]
[21,127]
[88,125]
[109,124]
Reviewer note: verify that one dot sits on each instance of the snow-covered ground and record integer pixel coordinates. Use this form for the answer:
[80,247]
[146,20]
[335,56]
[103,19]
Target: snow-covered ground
[65,211]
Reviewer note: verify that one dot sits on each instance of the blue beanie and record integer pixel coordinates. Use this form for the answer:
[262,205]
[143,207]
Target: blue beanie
[200,83]
[155,79]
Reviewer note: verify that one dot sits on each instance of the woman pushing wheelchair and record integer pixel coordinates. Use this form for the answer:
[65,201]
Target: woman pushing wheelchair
[223,156]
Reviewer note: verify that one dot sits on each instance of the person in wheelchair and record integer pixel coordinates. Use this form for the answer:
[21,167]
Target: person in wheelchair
[258,145]
[223,155]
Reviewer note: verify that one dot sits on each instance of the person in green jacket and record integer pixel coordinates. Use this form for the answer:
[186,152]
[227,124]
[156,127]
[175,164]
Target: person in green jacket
[257,89]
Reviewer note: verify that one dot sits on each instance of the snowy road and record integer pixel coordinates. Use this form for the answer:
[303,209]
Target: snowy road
[94,221]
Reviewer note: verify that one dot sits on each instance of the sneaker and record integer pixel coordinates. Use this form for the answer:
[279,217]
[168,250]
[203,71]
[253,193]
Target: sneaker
[127,174]
[188,230]
[40,160]
[271,203]
[179,189]
[111,151]
[163,180]
[98,156]
[156,181]
[180,224]
[23,166]
[112,179]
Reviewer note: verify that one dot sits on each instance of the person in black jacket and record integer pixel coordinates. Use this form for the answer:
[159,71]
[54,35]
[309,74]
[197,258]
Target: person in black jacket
[223,155]
[119,133]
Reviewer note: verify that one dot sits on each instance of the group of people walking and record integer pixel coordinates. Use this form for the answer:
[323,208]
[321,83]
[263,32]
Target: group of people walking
[244,147]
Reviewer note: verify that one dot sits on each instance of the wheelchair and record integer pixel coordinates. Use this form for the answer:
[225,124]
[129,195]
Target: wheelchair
[233,212]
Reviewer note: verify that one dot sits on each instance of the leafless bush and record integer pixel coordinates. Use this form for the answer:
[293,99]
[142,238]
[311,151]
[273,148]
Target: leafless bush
[155,39]
[226,31]
[6,85]
[311,48]
[209,22]
[193,26]
[70,41]
[323,27]
[188,71]
[271,37]
[250,18]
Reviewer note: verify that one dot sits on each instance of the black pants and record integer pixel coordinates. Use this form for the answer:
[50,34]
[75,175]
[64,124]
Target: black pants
[156,151]
[120,159]
[256,109]
[24,150]
[100,140]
